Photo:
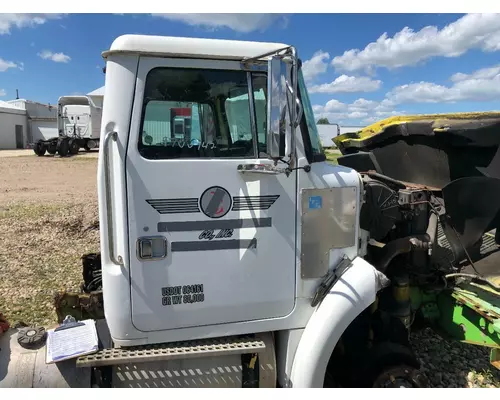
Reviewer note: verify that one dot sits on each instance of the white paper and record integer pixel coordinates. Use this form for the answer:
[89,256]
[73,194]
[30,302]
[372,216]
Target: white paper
[72,342]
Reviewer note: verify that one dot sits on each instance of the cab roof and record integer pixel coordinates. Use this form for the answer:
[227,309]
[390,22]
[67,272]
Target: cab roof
[190,47]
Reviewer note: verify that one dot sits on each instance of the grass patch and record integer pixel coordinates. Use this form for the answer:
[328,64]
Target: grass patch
[40,255]
[332,155]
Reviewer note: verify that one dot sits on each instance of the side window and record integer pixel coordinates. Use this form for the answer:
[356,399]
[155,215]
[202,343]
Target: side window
[236,108]
[196,113]
[259,82]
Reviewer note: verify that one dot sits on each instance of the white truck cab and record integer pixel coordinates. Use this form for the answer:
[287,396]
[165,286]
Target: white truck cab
[233,233]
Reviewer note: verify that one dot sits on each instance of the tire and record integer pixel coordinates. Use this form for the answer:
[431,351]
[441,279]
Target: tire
[89,148]
[39,148]
[63,147]
[401,376]
[52,147]
[74,147]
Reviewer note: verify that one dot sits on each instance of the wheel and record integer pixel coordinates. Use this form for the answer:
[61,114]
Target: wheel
[31,337]
[89,145]
[401,376]
[63,147]
[52,147]
[74,147]
[39,148]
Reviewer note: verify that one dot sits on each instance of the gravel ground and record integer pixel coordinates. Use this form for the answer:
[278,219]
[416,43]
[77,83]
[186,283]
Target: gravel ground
[450,364]
[48,219]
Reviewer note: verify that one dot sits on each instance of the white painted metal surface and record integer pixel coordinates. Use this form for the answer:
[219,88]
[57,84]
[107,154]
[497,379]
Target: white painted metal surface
[97,96]
[10,116]
[229,277]
[189,47]
[41,119]
[354,291]
[246,290]
[41,129]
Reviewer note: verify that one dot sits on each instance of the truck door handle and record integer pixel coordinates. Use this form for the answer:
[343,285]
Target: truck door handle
[151,248]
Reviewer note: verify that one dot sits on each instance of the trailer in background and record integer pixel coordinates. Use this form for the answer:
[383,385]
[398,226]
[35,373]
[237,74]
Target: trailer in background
[78,126]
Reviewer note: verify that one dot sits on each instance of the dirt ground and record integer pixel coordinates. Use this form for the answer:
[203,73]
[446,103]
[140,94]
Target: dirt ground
[48,220]
[29,153]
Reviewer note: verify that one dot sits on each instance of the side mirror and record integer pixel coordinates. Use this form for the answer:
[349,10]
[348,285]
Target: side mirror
[277,115]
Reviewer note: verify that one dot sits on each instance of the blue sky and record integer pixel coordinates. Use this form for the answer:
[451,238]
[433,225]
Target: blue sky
[359,67]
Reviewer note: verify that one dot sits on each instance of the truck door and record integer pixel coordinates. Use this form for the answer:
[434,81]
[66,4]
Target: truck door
[208,244]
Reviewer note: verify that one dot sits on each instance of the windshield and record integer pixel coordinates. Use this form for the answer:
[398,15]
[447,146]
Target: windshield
[316,147]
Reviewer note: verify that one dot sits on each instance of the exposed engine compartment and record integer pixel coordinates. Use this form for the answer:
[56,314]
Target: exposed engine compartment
[430,233]
[432,201]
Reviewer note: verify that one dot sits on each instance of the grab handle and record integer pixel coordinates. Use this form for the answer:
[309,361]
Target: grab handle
[109,209]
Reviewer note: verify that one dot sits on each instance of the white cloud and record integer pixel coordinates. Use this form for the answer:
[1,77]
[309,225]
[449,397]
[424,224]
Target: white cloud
[3,92]
[407,47]
[484,73]
[481,86]
[7,21]
[56,57]
[317,65]
[243,23]
[362,111]
[348,84]
[5,65]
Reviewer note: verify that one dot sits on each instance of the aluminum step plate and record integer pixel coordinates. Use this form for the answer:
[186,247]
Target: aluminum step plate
[173,351]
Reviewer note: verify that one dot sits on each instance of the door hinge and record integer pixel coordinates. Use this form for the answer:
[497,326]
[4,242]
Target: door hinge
[329,280]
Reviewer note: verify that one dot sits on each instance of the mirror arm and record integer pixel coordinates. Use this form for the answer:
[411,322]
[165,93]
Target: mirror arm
[269,53]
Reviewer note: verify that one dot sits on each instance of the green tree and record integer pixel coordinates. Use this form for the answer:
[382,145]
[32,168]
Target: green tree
[323,121]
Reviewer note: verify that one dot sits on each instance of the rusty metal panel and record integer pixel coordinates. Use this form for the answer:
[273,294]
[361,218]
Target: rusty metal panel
[328,222]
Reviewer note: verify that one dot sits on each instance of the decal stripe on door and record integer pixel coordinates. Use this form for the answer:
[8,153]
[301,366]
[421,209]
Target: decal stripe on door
[188,226]
[215,245]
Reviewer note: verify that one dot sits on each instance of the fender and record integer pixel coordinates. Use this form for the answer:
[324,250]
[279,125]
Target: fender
[354,291]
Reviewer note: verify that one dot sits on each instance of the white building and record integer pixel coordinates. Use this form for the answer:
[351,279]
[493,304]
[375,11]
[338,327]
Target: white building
[23,122]
[97,96]
[41,119]
[13,122]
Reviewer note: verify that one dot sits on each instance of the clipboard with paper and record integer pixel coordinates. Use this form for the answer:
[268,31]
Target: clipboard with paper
[71,340]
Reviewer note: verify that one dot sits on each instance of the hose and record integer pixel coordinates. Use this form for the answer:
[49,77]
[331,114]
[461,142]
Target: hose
[385,178]
[402,246]
[409,243]
[472,276]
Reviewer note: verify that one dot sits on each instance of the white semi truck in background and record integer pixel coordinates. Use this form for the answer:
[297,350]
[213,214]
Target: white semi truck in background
[244,259]
[78,126]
